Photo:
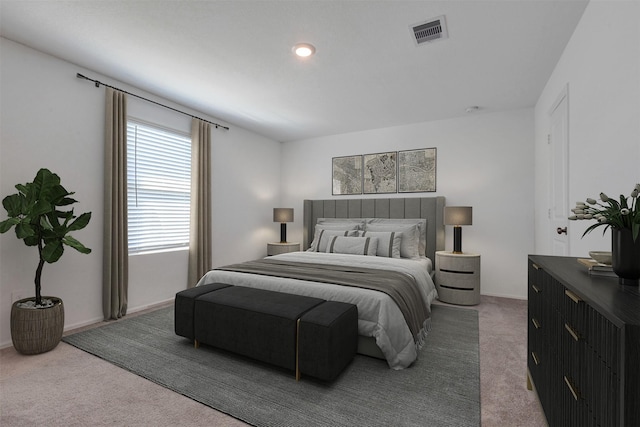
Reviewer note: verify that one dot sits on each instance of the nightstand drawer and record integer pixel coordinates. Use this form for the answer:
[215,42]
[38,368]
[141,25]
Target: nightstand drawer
[457,280]
[458,264]
[282,248]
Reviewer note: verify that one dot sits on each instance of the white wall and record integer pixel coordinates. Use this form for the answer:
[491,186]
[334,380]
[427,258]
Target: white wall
[483,160]
[50,118]
[601,66]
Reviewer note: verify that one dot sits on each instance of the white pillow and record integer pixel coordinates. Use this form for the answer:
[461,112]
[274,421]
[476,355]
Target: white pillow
[410,244]
[347,223]
[323,233]
[420,222]
[388,242]
[352,245]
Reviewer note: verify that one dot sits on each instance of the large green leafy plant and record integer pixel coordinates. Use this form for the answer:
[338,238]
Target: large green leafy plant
[36,213]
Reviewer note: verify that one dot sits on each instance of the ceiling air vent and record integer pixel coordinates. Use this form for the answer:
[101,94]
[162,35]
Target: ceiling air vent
[432,30]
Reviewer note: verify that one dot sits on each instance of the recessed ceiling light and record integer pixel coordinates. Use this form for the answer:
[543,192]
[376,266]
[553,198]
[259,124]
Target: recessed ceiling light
[304,50]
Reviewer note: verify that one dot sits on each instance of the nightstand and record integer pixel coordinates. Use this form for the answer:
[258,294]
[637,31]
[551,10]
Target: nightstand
[458,278]
[282,248]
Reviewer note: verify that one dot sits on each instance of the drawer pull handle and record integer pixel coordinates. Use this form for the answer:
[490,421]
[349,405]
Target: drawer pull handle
[575,298]
[535,358]
[535,322]
[536,289]
[535,266]
[572,331]
[572,388]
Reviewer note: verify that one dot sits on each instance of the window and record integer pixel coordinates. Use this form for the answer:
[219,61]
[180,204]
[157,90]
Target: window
[158,187]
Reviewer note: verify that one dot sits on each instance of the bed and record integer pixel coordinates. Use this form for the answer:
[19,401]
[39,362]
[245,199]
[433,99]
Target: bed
[391,327]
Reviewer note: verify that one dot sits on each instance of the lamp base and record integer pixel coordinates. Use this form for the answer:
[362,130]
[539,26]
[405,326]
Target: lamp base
[457,239]
[283,232]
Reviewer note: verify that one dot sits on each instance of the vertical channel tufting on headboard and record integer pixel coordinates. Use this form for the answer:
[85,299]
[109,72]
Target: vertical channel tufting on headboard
[429,208]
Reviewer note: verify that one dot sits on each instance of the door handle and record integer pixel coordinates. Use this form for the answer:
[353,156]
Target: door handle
[561,230]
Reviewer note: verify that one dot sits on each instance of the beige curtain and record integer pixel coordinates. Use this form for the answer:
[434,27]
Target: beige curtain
[116,255]
[200,225]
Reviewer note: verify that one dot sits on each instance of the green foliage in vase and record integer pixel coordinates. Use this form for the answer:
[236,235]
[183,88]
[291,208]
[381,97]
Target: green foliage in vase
[38,220]
[611,212]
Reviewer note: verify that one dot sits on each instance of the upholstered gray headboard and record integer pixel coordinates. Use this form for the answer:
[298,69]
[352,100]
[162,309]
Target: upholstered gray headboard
[429,208]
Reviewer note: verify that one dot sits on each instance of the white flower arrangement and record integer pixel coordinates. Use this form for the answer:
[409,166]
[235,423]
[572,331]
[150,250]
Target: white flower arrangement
[611,213]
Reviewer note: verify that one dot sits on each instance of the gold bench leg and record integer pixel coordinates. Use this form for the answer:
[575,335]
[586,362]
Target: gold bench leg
[196,344]
[297,350]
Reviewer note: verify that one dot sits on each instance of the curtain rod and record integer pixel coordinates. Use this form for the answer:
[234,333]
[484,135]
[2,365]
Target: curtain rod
[98,83]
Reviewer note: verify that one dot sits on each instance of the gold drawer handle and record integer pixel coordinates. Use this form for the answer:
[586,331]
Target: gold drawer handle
[535,358]
[535,322]
[575,298]
[574,391]
[536,289]
[535,266]
[572,331]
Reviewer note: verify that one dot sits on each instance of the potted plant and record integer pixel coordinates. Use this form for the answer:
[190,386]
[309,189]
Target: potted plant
[623,218]
[35,212]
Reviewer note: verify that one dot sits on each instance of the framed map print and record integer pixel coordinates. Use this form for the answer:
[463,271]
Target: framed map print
[347,175]
[417,170]
[379,173]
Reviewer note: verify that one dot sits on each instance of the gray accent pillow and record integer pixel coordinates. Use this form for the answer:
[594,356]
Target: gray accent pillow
[420,222]
[388,242]
[323,235]
[410,242]
[352,245]
[334,230]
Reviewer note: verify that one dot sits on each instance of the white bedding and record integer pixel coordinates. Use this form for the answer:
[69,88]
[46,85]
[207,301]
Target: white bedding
[379,316]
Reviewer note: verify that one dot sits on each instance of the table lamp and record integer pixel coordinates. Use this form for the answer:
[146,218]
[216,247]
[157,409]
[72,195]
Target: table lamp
[283,215]
[457,216]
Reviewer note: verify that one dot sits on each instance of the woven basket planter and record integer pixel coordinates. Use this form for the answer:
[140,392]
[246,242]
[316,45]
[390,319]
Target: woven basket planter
[35,331]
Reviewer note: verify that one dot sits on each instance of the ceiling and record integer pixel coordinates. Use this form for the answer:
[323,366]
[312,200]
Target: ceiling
[233,60]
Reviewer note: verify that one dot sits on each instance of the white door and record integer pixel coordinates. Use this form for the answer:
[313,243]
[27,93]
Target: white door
[558,140]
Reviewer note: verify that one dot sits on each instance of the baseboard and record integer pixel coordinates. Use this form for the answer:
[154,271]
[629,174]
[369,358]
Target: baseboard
[518,297]
[93,321]
[150,306]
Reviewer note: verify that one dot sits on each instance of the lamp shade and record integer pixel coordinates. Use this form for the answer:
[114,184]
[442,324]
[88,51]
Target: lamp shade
[458,215]
[282,215]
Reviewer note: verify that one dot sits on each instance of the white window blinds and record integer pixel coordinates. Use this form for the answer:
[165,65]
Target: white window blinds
[158,187]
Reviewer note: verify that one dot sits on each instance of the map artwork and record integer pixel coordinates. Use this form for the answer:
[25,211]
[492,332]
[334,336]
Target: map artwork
[417,170]
[347,175]
[380,173]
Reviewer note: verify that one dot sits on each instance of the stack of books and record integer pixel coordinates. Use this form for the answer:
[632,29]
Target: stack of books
[597,269]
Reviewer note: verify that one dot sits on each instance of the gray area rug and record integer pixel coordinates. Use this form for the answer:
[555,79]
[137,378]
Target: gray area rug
[442,388]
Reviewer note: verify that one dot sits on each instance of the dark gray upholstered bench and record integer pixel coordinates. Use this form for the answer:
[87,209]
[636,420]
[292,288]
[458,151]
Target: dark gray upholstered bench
[308,335]
[184,308]
[328,339]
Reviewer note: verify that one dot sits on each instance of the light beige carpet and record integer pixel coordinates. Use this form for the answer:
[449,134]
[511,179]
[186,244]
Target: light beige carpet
[84,390]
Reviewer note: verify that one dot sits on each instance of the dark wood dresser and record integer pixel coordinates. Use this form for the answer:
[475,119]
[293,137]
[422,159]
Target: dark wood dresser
[583,345]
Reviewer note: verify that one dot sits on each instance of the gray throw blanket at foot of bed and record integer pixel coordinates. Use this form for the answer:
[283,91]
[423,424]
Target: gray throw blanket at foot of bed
[400,287]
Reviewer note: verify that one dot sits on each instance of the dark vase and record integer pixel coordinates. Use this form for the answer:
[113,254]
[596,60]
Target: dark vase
[625,256]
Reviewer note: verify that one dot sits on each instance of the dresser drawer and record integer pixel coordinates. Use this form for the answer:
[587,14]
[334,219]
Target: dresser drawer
[583,323]
[538,352]
[590,384]
[536,294]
